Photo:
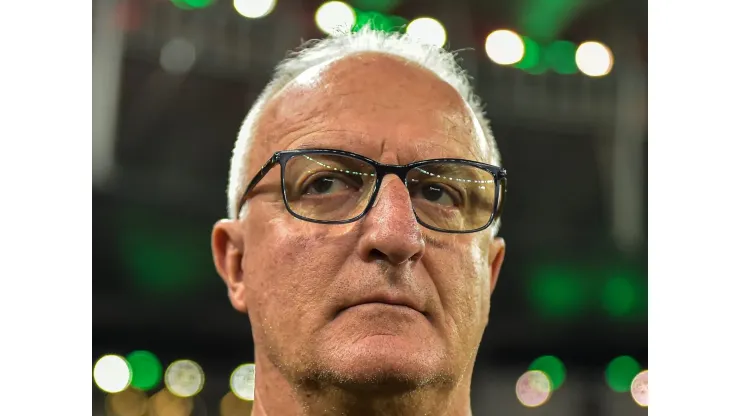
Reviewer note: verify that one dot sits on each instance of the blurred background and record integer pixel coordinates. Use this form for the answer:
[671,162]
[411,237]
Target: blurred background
[564,82]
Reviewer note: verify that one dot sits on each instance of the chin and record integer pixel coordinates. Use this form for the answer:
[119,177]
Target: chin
[392,363]
[374,347]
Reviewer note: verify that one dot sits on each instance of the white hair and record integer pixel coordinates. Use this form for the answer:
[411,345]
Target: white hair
[313,53]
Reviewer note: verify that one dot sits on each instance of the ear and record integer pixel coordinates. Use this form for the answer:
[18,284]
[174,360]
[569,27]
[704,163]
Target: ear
[228,251]
[496,259]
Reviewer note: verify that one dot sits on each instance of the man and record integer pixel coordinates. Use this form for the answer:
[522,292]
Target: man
[367,285]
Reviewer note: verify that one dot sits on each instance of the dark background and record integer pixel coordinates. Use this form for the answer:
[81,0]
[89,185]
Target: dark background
[574,282]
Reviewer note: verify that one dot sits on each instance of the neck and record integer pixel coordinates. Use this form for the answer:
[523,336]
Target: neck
[275,395]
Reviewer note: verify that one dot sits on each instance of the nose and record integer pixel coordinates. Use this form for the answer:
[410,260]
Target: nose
[390,231]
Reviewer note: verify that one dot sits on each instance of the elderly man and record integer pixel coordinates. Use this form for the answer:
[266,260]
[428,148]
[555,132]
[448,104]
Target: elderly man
[364,200]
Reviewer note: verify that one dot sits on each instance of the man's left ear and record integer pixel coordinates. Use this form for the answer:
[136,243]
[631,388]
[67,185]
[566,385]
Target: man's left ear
[496,259]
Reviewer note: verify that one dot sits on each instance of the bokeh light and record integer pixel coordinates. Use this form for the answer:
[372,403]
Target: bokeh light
[177,56]
[619,296]
[184,378]
[242,381]
[254,9]
[165,403]
[145,368]
[553,367]
[639,388]
[382,6]
[378,21]
[559,291]
[504,47]
[533,388]
[594,59]
[427,30]
[192,4]
[130,402]
[234,406]
[335,17]
[112,374]
[561,57]
[532,54]
[620,372]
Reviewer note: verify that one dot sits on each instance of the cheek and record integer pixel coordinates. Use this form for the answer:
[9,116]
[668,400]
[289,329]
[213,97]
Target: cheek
[463,285]
[288,267]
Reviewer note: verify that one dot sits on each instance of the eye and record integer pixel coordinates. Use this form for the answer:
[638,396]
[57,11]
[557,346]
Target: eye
[324,185]
[437,193]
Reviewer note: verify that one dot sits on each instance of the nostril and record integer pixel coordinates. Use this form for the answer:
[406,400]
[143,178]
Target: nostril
[376,254]
[416,256]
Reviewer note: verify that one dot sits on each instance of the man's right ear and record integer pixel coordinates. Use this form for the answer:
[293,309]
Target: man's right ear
[227,246]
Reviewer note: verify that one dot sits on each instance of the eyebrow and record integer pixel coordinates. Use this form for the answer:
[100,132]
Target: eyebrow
[343,140]
[349,140]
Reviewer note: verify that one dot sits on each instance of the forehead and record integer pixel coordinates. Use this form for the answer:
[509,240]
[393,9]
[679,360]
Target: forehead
[374,104]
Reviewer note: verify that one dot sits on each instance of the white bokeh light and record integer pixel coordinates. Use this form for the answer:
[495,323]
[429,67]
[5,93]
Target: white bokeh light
[178,56]
[504,47]
[427,30]
[639,389]
[242,381]
[335,17]
[184,378]
[594,59]
[112,374]
[533,388]
[254,9]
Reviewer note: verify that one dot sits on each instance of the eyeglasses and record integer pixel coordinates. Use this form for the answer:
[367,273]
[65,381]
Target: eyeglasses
[336,187]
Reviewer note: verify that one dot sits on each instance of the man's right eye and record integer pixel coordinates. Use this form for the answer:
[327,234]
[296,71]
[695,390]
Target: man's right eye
[324,185]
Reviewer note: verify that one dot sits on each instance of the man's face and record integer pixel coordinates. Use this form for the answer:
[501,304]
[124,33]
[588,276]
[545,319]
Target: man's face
[297,279]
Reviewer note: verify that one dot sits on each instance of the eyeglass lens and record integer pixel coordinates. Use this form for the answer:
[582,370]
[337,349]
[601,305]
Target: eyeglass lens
[448,195]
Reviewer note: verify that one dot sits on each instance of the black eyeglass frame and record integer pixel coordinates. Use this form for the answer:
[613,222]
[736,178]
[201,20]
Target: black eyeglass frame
[381,170]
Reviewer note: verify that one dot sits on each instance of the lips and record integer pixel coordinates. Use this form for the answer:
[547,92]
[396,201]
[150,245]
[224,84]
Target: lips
[387,299]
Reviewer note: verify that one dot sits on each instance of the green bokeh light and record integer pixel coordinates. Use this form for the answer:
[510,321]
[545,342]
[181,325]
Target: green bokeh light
[561,57]
[192,4]
[623,294]
[552,367]
[620,372]
[146,370]
[383,6]
[544,19]
[532,55]
[559,291]
[620,296]
[378,21]
[163,255]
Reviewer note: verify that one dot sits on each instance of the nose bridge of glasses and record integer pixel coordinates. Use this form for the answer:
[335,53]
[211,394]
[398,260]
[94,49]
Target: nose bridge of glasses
[397,170]
[383,171]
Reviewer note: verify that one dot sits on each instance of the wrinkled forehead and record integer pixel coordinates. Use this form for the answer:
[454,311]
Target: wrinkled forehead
[376,96]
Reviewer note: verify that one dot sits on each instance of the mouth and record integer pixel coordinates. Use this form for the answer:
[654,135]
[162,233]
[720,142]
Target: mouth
[396,302]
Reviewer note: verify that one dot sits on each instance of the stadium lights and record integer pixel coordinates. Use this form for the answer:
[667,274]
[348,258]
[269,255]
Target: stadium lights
[254,9]
[335,17]
[112,374]
[427,30]
[504,47]
[594,59]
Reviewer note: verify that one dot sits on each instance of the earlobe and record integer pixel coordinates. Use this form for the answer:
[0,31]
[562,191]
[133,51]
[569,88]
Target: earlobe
[496,259]
[228,252]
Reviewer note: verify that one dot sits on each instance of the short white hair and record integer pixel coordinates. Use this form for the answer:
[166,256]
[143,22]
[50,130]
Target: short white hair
[313,53]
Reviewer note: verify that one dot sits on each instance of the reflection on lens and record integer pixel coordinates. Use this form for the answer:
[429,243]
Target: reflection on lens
[328,187]
[452,196]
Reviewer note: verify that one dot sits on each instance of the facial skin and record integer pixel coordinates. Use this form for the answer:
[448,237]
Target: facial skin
[295,278]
